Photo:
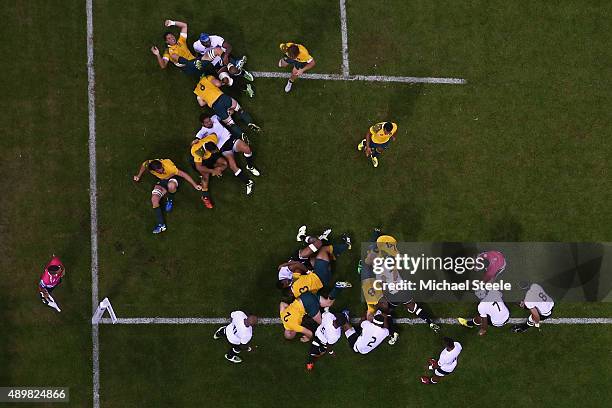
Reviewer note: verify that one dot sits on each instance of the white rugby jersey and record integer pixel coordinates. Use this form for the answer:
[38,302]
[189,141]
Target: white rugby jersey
[371,336]
[536,297]
[236,332]
[218,129]
[448,359]
[326,332]
[215,41]
[493,305]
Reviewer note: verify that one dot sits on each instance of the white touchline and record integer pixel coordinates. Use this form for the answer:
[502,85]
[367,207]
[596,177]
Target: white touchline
[343,31]
[93,201]
[367,78]
[276,320]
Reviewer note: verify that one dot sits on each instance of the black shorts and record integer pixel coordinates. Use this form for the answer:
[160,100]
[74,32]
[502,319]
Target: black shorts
[222,106]
[210,162]
[228,146]
[317,347]
[164,183]
[548,316]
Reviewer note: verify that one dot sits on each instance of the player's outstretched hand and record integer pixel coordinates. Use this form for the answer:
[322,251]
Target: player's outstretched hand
[155,50]
[136,178]
[168,23]
[304,339]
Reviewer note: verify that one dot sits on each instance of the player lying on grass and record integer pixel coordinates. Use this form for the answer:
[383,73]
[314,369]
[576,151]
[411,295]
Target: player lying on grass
[308,304]
[49,280]
[209,45]
[369,334]
[539,303]
[208,94]
[177,51]
[326,335]
[227,143]
[296,56]
[445,364]
[208,160]
[377,140]
[238,334]
[386,246]
[491,311]
[166,171]
[314,243]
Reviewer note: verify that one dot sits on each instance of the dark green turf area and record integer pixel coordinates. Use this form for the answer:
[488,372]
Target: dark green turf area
[520,153]
[533,369]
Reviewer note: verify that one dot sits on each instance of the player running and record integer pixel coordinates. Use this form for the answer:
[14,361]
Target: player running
[238,334]
[298,57]
[491,311]
[49,280]
[227,143]
[369,335]
[446,363]
[326,335]
[378,138]
[208,93]
[539,303]
[166,172]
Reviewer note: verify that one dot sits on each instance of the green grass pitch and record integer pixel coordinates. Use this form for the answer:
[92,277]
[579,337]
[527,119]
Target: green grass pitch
[519,153]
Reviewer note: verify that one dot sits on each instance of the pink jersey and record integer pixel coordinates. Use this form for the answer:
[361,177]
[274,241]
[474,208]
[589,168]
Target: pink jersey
[497,264]
[48,280]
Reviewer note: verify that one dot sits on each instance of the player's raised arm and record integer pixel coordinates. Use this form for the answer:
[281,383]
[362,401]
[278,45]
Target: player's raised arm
[179,24]
[162,62]
[187,177]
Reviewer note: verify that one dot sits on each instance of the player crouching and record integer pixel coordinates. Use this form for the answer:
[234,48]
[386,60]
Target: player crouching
[539,304]
[491,310]
[327,334]
[445,364]
[238,334]
[369,335]
[298,57]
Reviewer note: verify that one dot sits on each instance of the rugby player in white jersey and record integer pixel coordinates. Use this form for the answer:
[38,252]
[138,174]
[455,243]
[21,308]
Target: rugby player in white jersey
[446,363]
[491,311]
[228,144]
[326,335]
[369,335]
[539,303]
[238,334]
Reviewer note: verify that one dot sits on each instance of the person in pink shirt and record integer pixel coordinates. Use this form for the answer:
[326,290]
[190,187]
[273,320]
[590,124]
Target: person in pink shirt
[50,279]
[495,263]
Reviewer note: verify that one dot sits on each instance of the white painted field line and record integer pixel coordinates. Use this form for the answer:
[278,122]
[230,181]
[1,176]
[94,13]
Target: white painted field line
[368,78]
[343,31]
[93,202]
[275,320]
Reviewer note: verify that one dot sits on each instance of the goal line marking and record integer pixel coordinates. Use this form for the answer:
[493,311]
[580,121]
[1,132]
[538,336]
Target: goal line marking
[275,320]
[344,33]
[367,78]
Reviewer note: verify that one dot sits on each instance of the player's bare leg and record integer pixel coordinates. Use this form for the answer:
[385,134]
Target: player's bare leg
[414,308]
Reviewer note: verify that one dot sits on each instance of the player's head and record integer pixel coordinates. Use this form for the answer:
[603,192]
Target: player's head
[449,343]
[289,334]
[480,294]
[379,319]
[156,166]
[54,269]
[210,146]
[387,245]
[340,319]
[293,51]
[169,38]
[388,127]
[283,283]
[205,120]
[205,40]
[251,320]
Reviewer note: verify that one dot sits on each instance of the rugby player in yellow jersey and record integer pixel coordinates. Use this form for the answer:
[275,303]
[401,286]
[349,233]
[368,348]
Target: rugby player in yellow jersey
[378,139]
[208,94]
[166,171]
[298,57]
[292,315]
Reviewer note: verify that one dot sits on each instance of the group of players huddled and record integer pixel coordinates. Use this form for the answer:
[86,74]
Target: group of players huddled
[308,293]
